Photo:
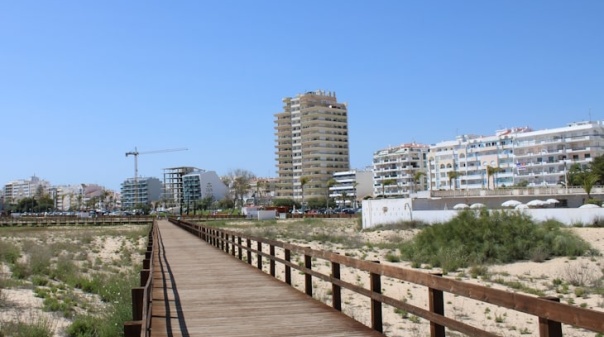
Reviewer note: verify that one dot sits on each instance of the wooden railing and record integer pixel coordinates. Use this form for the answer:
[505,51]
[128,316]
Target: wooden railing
[551,314]
[73,221]
[142,295]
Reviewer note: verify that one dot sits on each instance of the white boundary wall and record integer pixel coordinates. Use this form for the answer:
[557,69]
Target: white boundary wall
[387,211]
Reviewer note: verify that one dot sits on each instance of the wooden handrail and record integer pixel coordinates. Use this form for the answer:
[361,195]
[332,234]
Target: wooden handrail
[551,314]
[142,296]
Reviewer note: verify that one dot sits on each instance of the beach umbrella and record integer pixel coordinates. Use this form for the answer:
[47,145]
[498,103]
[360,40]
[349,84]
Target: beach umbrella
[552,201]
[521,206]
[511,203]
[477,205]
[589,206]
[460,206]
[536,203]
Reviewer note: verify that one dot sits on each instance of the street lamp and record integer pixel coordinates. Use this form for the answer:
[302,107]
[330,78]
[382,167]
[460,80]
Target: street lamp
[408,206]
[565,178]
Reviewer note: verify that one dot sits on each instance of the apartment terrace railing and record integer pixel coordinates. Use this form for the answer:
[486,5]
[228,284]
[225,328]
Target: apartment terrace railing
[551,314]
[140,324]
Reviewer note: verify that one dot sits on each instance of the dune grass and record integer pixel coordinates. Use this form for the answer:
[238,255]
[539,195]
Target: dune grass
[63,267]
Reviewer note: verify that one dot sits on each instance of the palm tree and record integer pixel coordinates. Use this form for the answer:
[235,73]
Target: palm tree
[452,175]
[344,196]
[589,180]
[386,182]
[330,183]
[303,181]
[491,171]
[416,178]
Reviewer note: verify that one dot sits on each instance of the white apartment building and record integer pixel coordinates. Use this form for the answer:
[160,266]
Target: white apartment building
[143,190]
[201,184]
[519,155]
[311,142]
[351,187]
[404,166]
[23,188]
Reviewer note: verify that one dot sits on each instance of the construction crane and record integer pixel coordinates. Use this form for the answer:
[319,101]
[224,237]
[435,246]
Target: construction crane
[135,153]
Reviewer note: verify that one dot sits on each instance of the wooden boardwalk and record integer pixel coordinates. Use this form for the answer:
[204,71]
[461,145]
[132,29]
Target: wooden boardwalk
[201,291]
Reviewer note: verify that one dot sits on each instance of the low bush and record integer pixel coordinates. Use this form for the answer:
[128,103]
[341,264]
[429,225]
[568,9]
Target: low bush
[9,252]
[491,237]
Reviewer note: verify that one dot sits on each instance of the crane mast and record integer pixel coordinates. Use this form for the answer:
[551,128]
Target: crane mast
[135,154]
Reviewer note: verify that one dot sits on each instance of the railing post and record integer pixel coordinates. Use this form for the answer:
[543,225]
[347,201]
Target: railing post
[437,306]
[336,290]
[376,306]
[307,276]
[249,251]
[233,244]
[549,328]
[258,255]
[240,248]
[144,276]
[272,261]
[222,241]
[288,269]
[137,303]
[132,329]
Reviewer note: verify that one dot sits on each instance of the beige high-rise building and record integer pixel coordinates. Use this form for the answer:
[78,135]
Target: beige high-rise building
[311,143]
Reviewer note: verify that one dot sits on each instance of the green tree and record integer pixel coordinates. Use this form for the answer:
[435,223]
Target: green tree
[589,181]
[238,182]
[576,174]
[315,203]
[386,182]
[344,197]
[330,183]
[597,168]
[284,202]
[417,176]
[26,205]
[492,172]
[452,175]
[303,182]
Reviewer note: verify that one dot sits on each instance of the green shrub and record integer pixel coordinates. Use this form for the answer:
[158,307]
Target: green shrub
[390,257]
[21,270]
[490,237]
[9,252]
[84,326]
[39,260]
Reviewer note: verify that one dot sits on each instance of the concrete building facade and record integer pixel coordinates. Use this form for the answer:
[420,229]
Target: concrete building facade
[351,187]
[311,142]
[201,184]
[24,188]
[143,190]
[515,156]
[400,170]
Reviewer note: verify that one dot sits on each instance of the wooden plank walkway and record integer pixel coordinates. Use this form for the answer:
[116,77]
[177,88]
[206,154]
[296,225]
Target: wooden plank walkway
[201,291]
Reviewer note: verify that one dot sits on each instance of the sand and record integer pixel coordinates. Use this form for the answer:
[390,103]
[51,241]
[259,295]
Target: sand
[25,306]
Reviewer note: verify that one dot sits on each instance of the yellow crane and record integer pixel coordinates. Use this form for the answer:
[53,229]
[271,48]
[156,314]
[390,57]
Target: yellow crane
[135,153]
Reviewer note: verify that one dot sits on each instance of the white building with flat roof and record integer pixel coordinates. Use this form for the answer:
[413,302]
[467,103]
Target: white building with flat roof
[351,187]
[399,170]
[515,156]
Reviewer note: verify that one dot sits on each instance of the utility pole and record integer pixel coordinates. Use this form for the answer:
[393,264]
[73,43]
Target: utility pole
[135,153]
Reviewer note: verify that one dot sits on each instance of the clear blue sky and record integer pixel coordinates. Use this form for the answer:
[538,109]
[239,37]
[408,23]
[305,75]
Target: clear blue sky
[83,82]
